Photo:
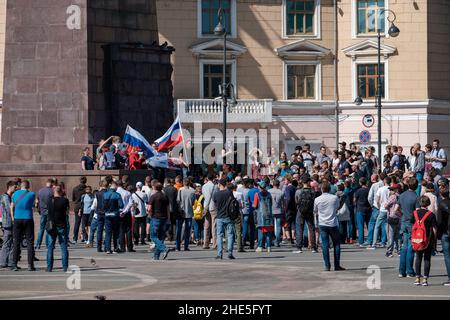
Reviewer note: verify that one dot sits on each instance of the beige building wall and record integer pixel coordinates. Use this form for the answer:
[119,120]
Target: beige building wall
[259,29]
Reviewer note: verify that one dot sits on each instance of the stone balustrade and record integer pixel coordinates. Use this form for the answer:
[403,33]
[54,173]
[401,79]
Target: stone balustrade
[211,111]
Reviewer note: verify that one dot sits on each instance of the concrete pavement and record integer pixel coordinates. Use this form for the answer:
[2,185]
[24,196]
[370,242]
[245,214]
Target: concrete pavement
[197,275]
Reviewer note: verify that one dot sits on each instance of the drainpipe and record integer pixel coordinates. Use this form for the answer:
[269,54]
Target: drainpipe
[336,98]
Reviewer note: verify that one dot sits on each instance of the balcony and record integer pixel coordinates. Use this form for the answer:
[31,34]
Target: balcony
[211,111]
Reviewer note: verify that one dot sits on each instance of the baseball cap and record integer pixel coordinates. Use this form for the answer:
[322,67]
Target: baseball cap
[139,185]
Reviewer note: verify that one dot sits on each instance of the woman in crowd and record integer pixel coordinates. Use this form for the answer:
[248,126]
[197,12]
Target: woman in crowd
[264,217]
[429,221]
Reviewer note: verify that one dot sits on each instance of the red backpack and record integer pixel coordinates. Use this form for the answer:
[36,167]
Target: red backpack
[419,238]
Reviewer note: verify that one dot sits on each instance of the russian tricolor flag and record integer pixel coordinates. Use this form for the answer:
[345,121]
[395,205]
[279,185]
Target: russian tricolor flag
[135,139]
[171,138]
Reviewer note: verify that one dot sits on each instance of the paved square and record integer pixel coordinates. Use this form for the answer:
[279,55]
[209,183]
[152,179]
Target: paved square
[197,275]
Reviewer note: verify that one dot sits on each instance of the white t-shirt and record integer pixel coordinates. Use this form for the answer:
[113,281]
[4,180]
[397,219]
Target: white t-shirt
[382,197]
[140,204]
[148,191]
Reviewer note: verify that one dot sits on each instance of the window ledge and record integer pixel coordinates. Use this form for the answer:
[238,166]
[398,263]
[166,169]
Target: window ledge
[317,37]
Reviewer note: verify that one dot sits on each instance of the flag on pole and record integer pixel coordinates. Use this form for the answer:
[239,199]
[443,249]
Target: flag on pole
[135,139]
[171,138]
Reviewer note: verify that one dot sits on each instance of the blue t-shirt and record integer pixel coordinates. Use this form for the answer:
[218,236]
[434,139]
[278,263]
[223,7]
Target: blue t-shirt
[23,209]
[249,200]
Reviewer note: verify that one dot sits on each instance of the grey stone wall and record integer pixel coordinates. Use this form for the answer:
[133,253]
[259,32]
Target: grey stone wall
[46,86]
[113,21]
[56,98]
[138,88]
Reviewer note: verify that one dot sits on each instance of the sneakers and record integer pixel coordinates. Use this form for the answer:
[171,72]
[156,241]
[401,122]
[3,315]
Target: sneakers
[314,251]
[389,255]
[371,248]
[425,282]
[446,283]
[109,252]
[339,268]
[231,257]
[402,276]
[259,249]
[417,282]
[297,251]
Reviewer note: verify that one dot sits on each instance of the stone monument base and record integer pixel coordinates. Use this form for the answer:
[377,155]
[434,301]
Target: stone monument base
[41,157]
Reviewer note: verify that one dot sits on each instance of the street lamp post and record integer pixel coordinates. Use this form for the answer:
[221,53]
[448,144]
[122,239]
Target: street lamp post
[393,32]
[220,30]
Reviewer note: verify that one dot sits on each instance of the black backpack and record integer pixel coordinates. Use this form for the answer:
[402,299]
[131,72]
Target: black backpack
[305,206]
[233,208]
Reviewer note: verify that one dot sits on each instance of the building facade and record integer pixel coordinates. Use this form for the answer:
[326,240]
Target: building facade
[296,64]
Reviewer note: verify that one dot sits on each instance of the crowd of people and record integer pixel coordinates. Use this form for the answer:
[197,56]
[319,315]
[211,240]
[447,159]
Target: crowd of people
[113,154]
[309,201]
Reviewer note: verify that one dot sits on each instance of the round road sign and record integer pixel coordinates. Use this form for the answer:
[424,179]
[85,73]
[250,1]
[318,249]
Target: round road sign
[368,121]
[365,137]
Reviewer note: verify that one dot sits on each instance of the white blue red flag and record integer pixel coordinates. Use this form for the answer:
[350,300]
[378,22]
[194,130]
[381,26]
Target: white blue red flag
[135,139]
[171,138]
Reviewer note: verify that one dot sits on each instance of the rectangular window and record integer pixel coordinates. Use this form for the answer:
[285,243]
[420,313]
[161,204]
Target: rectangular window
[367,80]
[301,80]
[212,79]
[369,16]
[300,17]
[210,18]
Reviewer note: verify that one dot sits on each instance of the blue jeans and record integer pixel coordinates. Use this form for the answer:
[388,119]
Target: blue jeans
[198,229]
[248,232]
[51,239]
[158,234]
[325,233]
[92,230]
[278,229]
[187,232]
[345,230]
[372,221]
[100,227]
[40,235]
[221,225]
[419,177]
[361,219]
[112,224]
[446,248]
[380,223]
[264,237]
[406,255]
